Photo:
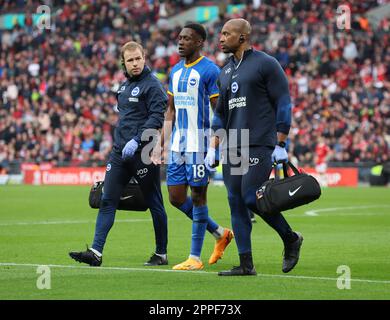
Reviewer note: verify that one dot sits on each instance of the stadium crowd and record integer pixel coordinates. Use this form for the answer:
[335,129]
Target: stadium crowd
[58,85]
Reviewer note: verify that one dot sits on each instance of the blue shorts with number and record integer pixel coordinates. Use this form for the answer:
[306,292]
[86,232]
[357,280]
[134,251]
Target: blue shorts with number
[187,168]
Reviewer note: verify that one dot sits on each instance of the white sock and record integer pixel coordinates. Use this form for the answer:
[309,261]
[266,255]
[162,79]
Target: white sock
[218,233]
[194,257]
[164,256]
[96,252]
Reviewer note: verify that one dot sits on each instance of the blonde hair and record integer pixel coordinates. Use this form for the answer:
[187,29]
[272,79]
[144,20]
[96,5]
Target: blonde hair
[131,46]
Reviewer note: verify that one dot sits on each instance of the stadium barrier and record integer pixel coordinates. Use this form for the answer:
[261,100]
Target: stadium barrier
[87,176]
[64,176]
[336,177]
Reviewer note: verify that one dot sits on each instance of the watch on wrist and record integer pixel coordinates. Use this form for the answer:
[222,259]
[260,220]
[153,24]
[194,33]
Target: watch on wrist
[281,144]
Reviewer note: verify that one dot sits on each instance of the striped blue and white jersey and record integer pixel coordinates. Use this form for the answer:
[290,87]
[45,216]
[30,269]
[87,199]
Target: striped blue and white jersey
[192,86]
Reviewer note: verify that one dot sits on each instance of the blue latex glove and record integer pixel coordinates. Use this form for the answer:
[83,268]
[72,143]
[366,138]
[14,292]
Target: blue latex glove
[209,160]
[279,155]
[129,149]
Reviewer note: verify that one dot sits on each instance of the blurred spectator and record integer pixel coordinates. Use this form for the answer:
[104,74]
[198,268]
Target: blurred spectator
[57,86]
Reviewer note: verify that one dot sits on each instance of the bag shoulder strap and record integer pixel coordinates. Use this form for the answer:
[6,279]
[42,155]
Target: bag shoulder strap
[293,168]
[285,170]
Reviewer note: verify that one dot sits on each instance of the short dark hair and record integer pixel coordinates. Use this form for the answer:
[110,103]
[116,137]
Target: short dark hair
[199,29]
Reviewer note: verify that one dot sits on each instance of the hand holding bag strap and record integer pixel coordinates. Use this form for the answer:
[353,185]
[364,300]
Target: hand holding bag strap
[285,170]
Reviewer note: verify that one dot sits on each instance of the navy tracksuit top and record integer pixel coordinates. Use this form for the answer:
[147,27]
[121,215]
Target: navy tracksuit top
[142,102]
[254,95]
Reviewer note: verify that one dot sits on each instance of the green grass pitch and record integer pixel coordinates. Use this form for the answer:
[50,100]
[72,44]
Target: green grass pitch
[40,225]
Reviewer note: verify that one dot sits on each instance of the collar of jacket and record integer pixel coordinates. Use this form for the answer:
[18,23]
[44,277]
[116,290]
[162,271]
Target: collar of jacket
[246,53]
[143,74]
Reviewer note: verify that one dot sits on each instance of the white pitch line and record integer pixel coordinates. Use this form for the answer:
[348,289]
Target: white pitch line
[95,268]
[310,213]
[366,213]
[315,212]
[28,223]
[10,264]
[307,213]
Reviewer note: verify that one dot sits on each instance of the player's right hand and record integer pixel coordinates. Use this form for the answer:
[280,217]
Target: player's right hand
[279,155]
[157,155]
[209,160]
[129,149]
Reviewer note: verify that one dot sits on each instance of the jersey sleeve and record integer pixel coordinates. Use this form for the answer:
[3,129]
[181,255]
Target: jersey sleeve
[156,103]
[277,88]
[212,78]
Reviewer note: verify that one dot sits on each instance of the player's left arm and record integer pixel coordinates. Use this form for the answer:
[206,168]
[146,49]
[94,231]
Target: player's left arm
[212,89]
[213,102]
[214,140]
[211,85]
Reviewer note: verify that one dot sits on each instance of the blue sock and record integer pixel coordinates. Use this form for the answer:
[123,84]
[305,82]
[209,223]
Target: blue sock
[104,221]
[199,225]
[187,208]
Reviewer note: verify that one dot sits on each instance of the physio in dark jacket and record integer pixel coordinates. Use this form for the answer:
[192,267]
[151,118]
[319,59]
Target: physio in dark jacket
[254,103]
[141,103]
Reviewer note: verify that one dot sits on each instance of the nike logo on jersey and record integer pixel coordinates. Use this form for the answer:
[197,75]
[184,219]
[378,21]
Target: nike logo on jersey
[235,76]
[127,197]
[291,193]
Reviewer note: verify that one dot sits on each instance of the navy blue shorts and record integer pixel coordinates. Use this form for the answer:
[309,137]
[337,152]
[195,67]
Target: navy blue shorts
[119,172]
[253,175]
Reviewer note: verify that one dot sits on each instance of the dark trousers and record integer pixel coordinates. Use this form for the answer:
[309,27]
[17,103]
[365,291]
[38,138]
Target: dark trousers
[242,194]
[118,174]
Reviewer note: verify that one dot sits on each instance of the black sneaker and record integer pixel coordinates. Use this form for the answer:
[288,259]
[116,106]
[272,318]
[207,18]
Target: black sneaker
[238,271]
[156,260]
[291,253]
[246,267]
[88,257]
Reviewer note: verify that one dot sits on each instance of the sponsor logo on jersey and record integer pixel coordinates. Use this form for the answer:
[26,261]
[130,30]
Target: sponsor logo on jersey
[237,102]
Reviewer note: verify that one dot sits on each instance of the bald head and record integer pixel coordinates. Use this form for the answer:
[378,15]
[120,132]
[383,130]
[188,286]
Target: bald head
[235,36]
[240,25]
